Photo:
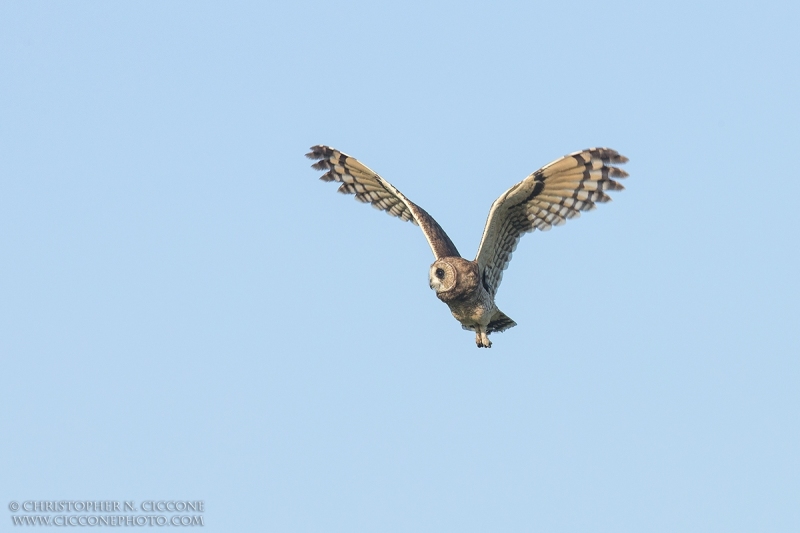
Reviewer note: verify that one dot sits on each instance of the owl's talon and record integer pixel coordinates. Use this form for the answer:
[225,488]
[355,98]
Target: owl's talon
[483,340]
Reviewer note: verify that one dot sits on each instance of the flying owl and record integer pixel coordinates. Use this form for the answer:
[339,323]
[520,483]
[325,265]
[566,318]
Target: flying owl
[547,197]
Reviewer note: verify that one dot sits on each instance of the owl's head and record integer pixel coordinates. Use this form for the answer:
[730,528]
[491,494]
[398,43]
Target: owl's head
[453,277]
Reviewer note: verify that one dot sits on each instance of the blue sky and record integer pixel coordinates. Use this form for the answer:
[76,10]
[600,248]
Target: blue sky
[189,313]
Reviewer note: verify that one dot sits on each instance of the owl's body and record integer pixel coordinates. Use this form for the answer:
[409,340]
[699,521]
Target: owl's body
[547,197]
[457,283]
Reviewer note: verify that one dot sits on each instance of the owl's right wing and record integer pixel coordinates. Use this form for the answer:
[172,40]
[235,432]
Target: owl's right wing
[549,196]
[367,186]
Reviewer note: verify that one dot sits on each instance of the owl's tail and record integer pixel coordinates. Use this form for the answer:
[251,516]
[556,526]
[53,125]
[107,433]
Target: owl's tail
[500,322]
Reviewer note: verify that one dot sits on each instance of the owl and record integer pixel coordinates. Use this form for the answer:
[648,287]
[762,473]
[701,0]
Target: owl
[551,195]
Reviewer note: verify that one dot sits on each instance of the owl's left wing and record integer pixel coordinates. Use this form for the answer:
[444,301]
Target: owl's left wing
[356,178]
[549,196]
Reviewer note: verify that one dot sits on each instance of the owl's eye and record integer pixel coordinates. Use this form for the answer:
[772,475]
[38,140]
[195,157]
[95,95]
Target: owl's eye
[440,273]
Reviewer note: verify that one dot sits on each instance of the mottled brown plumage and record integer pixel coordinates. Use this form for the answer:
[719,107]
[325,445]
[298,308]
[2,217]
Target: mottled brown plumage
[551,195]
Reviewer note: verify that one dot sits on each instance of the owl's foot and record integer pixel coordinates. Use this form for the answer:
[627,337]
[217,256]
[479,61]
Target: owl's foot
[482,340]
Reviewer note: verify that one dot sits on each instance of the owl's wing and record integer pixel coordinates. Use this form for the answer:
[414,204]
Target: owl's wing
[549,196]
[357,179]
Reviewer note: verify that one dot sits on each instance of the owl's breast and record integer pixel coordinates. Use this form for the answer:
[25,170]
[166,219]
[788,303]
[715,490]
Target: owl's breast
[474,310]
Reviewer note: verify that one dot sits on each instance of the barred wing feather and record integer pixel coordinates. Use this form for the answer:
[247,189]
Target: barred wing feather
[551,195]
[368,187]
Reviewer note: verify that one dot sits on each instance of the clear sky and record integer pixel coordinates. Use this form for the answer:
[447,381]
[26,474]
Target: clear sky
[188,313]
